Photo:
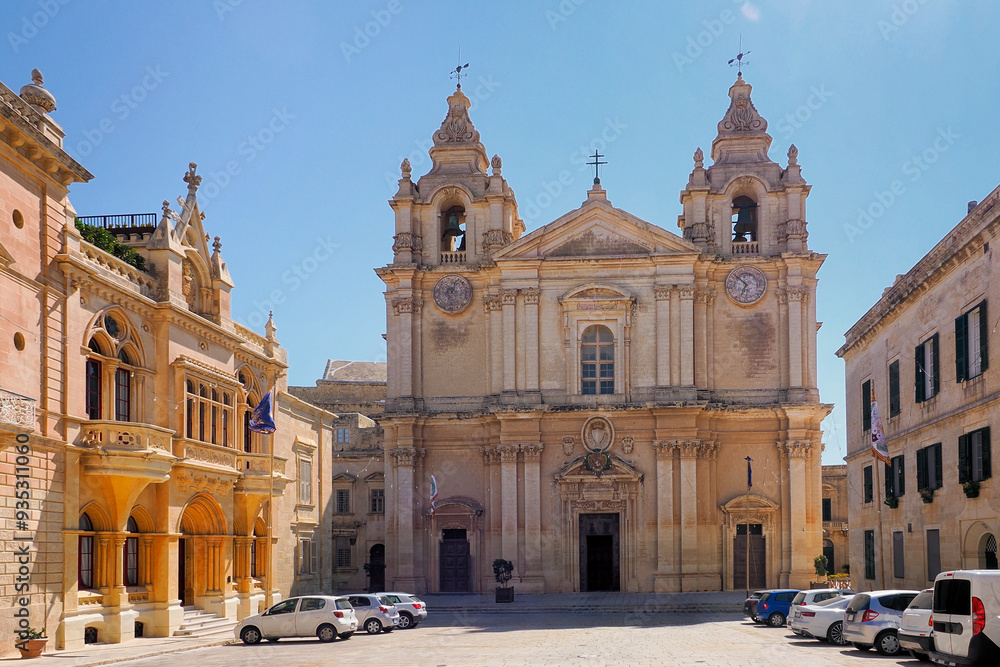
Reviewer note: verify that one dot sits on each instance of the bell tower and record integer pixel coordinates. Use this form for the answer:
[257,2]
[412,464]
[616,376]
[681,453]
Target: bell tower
[745,203]
[457,213]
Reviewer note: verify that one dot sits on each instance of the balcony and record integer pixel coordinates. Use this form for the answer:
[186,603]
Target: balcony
[254,469]
[746,247]
[17,412]
[453,257]
[126,449]
[127,223]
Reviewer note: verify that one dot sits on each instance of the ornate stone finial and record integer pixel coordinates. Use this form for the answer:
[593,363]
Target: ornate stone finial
[166,208]
[742,115]
[207,238]
[36,95]
[699,158]
[269,328]
[405,168]
[217,245]
[457,126]
[497,164]
[793,155]
[192,179]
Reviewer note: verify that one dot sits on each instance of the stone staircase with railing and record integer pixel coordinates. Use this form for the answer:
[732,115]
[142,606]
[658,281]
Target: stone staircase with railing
[198,623]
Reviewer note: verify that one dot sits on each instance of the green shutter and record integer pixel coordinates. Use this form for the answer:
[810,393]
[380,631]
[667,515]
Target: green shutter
[868,483]
[963,459]
[984,337]
[938,479]
[961,347]
[866,406]
[986,453]
[922,468]
[918,374]
[889,487]
[935,348]
[894,388]
[901,476]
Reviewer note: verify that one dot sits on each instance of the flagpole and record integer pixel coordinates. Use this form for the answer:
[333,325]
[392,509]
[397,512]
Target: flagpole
[746,502]
[270,506]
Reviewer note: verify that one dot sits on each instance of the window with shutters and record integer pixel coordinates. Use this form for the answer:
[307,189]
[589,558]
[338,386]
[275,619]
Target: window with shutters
[895,477]
[866,405]
[974,456]
[308,556]
[343,551]
[305,482]
[868,484]
[828,511]
[343,501]
[933,553]
[869,554]
[929,467]
[971,343]
[893,389]
[898,569]
[926,370]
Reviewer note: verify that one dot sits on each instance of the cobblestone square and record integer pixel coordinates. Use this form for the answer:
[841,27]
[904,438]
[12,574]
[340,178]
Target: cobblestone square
[718,639]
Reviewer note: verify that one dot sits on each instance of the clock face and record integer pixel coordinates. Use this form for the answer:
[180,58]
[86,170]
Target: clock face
[452,294]
[746,284]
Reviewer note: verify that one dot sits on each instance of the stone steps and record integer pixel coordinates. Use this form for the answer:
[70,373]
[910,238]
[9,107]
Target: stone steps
[198,623]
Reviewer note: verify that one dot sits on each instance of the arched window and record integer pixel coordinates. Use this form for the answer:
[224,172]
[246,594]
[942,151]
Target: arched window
[93,384]
[85,566]
[597,361]
[744,220]
[209,413]
[123,389]
[111,364]
[249,437]
[131,555]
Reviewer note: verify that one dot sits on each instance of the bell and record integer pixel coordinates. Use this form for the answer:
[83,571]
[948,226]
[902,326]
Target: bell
[452,230]
[744,225]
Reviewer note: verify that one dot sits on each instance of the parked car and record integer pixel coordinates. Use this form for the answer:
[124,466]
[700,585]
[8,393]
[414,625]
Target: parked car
[915,626]
[966,616]
[772,607]
[750,605]
[823,620]
[323,616]
[872,619]
[412,610]
[816,595]
[375,612]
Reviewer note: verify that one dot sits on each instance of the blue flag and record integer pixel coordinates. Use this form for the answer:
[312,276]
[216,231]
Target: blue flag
[262,419]
[749,474]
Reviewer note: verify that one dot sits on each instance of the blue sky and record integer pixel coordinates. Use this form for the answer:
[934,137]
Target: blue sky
[299,113]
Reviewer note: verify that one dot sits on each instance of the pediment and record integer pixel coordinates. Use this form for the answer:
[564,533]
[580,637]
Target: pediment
[597,229]
[6,259]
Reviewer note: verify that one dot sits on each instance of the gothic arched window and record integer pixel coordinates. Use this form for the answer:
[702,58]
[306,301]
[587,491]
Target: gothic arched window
[597,361]
[131,555]
[85,569]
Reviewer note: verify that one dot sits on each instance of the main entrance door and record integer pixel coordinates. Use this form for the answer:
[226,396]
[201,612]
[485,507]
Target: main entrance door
[183,589]
[756,555]
[454,561]
[600,561]
[376,568]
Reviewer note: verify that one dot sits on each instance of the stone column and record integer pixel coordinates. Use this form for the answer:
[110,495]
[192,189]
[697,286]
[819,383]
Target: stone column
[508,483]
[494,512]
[665,580]
[686,351]
[785,527]
[531,351]
[405,308]
[119,595]
[690,557]
[147,561]
[798,452]
[700,338]
[662,293]
[403,459]
[496,343]
[533,515]
[508,299]
[794,337]
[102,579]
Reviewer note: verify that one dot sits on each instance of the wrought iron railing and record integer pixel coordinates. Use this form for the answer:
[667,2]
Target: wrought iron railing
[132,222]
[17,410]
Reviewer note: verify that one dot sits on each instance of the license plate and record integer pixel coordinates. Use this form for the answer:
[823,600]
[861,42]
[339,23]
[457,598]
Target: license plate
[850,617]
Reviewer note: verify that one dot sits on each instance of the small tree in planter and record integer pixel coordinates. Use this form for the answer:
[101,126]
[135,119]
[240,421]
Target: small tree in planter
[503,571]
[820,563]
[31,642]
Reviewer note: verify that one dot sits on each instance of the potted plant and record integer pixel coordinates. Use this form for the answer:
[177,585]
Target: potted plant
[971,489]
[891,501]
[820,563]
[31,642]
[503,570]
[927,495]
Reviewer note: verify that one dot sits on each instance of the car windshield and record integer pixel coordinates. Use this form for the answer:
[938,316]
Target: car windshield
[858,602]
[344,604]
[384,600]
[834,603]
[799,597]
[922,601]
[765,596]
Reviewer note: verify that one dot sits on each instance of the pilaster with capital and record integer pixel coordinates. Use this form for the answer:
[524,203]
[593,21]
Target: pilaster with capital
[796,349]
[689,450]
[662,294]
[403,459]
[687,334]
[666,543]
[532,352]
[507,453]
[494,310]
[796,454]
[508,299]
[532,453]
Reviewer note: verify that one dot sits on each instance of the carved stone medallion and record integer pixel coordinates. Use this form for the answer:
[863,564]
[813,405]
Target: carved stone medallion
[598,434]
[453,293]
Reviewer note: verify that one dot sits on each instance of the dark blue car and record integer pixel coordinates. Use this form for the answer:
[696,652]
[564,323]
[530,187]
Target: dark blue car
[773,605]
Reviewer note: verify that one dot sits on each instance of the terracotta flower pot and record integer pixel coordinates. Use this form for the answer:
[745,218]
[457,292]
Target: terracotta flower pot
[32,648]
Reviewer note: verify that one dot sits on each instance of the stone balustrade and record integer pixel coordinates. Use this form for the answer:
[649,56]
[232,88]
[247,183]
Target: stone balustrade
[746,247]
[453,257]
[258,464]
[16,411]
[109,434]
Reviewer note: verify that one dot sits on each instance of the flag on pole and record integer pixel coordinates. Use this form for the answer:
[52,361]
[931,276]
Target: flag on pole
[879,448]
[749,474]
[262,418]
[434,493]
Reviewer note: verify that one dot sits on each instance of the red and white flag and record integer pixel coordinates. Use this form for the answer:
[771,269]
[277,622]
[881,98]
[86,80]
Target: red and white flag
[879,448]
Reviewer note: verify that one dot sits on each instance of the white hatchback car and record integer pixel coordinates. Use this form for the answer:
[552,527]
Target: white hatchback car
[323,616]
[412,610]
[823,620]
[915,626]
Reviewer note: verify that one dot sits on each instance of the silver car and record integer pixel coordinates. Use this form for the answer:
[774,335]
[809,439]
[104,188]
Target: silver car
[915,626]
[375,613]
[412,610]
[872,619]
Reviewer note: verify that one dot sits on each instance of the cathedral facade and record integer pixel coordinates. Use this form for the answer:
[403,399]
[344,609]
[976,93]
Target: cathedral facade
[586,395]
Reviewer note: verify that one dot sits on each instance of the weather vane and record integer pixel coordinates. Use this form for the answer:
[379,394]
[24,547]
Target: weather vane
[597,166]
[457,72]
[738,60]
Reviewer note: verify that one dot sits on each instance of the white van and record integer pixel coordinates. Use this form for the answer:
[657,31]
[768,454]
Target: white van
[966,618]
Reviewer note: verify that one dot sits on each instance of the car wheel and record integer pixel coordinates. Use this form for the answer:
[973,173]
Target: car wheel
[861,647]
[887,643]
[372,626]
[922,657]
[776,620]
[405,621]
[250,635]
[347,635]
[836,634]
[326,632]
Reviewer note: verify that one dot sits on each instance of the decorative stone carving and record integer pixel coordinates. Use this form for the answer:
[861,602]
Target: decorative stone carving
[531,296]
[491,302]
[403,457]
[699,159]
[195,483]
[453,293]
[686,291]
[36,95]
[497,164]
[532,452]
[662,292]
[407,241]
[598,505]
[793,155]
[688,448]
[457,126]
[490,456]
[665,449]
[191,178]
[568,443]
[598,434]
[742,115]
[494,239]
[406,305]
[508,297]
[704,295]
[628,443]
[406,169]
[507,452]
[797,294]
[796,449]
[189,286]
[796,229]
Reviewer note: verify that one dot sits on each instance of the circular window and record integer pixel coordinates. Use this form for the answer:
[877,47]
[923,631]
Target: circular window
[112,327]
[19,341]
[18,219]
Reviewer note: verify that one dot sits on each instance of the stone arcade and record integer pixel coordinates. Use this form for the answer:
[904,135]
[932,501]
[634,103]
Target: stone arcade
[586,394]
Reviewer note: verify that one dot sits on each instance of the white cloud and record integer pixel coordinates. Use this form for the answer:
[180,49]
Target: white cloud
[750,12]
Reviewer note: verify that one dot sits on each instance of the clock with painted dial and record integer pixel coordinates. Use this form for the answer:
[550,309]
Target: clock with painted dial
[746,284]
